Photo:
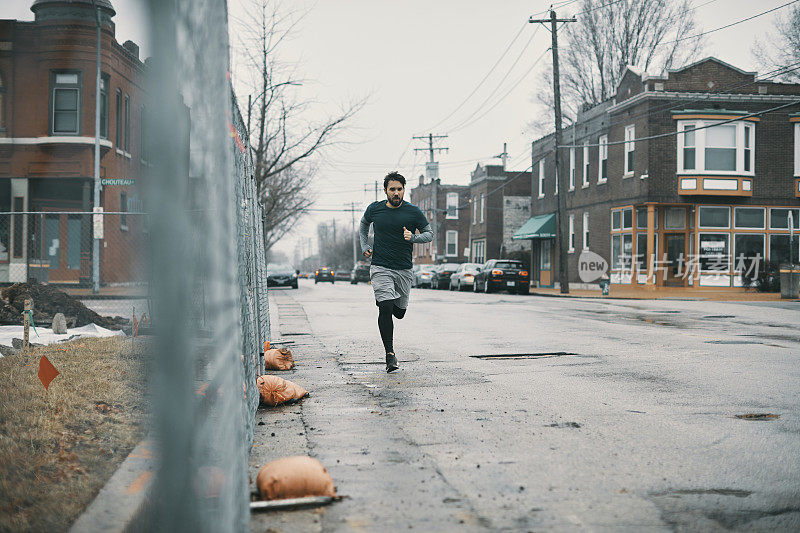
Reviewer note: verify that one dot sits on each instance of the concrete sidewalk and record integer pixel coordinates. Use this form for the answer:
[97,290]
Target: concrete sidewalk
[387,481]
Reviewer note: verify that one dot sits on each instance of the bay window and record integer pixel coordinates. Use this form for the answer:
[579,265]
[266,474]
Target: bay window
[716,147]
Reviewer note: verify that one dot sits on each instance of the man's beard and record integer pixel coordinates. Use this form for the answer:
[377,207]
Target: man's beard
[395,201]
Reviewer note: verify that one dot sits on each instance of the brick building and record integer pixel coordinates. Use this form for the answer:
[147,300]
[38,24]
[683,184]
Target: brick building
[47,138]
[685,179]
[499,204]
[446,208]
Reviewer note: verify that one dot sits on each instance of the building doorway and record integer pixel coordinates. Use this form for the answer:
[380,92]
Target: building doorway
[675,269]
[55,247]
[545,263]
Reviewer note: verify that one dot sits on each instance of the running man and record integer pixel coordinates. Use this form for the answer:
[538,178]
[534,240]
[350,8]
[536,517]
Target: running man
[395,223]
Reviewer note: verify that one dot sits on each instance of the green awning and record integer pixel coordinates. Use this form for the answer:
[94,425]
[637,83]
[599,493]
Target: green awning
[538,227]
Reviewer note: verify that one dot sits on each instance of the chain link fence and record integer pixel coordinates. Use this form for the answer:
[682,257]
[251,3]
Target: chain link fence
[208,283]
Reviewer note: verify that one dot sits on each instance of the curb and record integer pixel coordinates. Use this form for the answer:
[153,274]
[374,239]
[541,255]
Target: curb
[122,498]
[610,297]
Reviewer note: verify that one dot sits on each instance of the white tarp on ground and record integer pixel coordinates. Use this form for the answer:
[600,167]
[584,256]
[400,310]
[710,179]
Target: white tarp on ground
[46,335]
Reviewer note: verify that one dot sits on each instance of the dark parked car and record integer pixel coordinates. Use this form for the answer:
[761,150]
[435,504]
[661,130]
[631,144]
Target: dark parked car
[360,272]
[323,274]
[441,277]
[281,275]
[502,274]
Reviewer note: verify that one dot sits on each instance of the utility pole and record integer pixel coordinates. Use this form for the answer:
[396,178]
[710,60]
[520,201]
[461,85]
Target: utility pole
[432,172]
[561,212]
[97,208]
[366,189]
[504,155]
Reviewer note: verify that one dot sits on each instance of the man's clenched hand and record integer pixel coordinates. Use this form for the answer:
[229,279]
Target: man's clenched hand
[407,234]
[368,253]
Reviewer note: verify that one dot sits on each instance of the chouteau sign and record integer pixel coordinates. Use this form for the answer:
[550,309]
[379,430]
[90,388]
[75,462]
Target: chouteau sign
[117,181]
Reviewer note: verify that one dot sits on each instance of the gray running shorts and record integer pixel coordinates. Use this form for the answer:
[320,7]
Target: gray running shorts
[390,284]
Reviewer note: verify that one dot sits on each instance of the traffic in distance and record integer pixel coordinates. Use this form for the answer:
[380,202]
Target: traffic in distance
[494,275]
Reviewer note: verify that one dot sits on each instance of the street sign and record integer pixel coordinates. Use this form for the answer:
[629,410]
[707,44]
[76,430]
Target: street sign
[97,222]
[118,181]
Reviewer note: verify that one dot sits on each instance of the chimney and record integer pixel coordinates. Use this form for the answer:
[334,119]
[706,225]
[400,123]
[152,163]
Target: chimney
[422,179]
[132,48]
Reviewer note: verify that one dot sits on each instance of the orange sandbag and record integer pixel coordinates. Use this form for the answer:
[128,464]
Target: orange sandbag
[294,477]
[278,359]
[275,390]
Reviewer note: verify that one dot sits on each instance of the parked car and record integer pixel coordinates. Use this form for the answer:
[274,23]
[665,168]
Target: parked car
[323,274]
[464,278]
[441,278]
[502,274]
[342,275]
[281,275]
[360,272]
[422,277]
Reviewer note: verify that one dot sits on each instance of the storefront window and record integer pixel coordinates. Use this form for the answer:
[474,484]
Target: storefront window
[627,218]
[616,220]
[779,249]
[641,218]
[714,217]
[621,251]
[642,258]
[748,248]
[748,218]
[714,252]
[675,218]
[627,250]
[779,218]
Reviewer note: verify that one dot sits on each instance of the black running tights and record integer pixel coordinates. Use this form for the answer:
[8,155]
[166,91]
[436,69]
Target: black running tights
[386,309]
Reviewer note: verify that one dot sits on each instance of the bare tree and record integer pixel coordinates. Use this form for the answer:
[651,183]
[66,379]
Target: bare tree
[284,143]
[780,51]
[648,34]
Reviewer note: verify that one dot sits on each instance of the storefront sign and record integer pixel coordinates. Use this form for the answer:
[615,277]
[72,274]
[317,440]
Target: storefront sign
[126,182]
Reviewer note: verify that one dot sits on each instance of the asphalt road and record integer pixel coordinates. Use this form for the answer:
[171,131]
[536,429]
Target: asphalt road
[633,425]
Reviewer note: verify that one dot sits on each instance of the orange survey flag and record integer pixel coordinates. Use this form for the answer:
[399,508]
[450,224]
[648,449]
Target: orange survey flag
[47,372]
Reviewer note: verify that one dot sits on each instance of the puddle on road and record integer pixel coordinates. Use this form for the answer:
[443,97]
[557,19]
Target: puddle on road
[540,355]
[734,342]
[719,492]
[758,416]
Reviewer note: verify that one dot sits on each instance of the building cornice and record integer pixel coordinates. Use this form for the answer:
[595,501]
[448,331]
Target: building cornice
[726,97]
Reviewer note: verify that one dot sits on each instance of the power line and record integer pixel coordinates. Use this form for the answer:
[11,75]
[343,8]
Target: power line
[669,106]
[731,24]
[459,125]
[671,133]
[496,63]
[502,98]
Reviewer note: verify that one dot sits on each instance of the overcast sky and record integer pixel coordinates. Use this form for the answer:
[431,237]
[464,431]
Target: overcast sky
[416,61]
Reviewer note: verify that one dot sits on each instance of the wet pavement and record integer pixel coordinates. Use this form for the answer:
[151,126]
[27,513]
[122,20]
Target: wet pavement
[527,413]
